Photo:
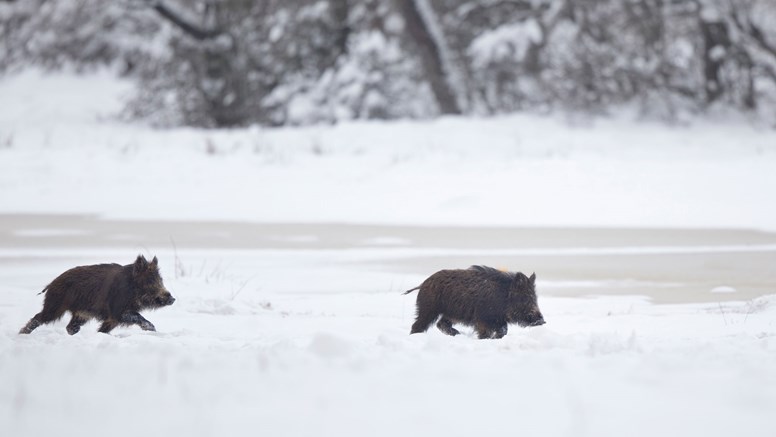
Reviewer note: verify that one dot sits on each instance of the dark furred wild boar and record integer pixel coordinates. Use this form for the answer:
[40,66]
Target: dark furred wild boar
[483,297]
[111,293]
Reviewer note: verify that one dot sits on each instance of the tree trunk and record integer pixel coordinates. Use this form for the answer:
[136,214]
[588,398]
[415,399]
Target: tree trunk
[430,57]
[715,44]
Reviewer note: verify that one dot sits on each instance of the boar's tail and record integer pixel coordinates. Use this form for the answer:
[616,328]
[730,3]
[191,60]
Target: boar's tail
[411,290]
[44,290]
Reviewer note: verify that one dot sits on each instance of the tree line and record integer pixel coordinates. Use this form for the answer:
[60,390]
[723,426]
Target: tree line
[223,63]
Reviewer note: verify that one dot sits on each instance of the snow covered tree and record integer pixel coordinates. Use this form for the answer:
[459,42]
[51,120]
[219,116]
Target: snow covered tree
[372,78]
[280,62]
[75,34]
[501,45]
[204,78]
[751,25]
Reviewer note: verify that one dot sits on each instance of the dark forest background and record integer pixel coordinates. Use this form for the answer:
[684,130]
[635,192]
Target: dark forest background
[222,63]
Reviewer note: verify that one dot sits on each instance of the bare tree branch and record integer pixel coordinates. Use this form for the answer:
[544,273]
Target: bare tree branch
[759,38]
[189,28]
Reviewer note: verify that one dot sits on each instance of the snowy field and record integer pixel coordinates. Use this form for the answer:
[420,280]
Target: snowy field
[55,157]
[288,251]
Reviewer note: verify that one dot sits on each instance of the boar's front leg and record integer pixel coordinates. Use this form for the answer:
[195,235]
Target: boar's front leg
[108,325]
[488,330]
[501,331]
[134,318]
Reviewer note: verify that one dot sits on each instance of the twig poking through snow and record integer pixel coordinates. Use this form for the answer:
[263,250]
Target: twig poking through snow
[180,271]
[723,313]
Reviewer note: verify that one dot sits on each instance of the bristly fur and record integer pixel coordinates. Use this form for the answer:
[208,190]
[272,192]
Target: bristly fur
[111,293]
[483,297]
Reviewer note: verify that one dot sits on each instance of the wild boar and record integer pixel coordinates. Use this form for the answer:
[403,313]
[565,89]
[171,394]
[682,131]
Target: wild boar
[111,293]
[483,297]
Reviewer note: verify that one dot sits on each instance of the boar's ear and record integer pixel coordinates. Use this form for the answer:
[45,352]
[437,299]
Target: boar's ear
[140,265]
[533,278]
[154,262]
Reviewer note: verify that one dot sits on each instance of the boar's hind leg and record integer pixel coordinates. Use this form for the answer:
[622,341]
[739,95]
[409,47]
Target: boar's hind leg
[31,325]
[423,322]
[134,318]
[75,324]
[446,326]
[49,314]
[52,310]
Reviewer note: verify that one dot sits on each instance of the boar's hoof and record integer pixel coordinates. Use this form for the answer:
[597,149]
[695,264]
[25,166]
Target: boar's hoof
[147,326]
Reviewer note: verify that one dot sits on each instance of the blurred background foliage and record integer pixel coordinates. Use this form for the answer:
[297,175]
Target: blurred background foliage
[223,63]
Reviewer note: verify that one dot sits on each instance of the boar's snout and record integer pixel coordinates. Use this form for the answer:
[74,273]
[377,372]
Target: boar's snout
[165,299]
[531,319]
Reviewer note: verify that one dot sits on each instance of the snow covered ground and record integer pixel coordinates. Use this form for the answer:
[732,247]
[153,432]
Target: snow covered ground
[315,344]
[519,170]
[288,323]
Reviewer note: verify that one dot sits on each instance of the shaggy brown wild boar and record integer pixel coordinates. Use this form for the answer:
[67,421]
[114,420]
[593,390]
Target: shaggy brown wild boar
[111,293]
[483,297]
